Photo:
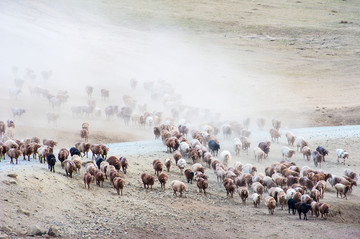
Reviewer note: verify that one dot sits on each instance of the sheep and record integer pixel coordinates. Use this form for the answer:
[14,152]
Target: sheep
[162,177]
[317,157]
[237,146]
[306,151]
[238,166]
[88,179]
[11,144]
[269,182]
[113,160]
[124,164]
[315,194]
[300,143]
[2,128]
[342,189]
[70,167]
[323,152]
[304,208]
[167,163]
[43,152]
[195,154]
[274,191]
[26,150]
[84,134]
[287,172]
[220,174]
[249,168]
[77,161]
[276,123]
[281,199]
[51,160]
[74,151]
[245,143]
[265,146]
[148,180]
[323,208]
[83,147]
[172,144]
[96,150]
[342,154]
[202,185]
[63,154]
[259,154]
[275,135]
[181,165]
[269,171]
[229,186]
[100,178]
[90,168]
[198,167]
[290,138]
[225,157]
[17,111]
[321,187]
[256,199]
[306,183]
[350,174]
[178,186]
[105,151]
[177,156]
[157,132]
[119,184]
[287,153]
[243,193]
[158,166]
[13,154]
[279,180]
[271,204]
[258,188]
[214,147]
[49,142]
[104,167]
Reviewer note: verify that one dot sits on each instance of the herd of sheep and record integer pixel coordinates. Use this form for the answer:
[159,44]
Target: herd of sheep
[281,184]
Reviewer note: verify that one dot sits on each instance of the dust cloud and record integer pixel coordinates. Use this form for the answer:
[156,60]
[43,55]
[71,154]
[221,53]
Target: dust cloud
[80,46]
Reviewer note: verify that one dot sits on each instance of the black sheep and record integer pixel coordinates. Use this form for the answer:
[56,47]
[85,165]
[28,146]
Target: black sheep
[322,151]
[189,175]
[99,159]
[51,160]
[214,147]
[291,205]
[74,151]
[304,208]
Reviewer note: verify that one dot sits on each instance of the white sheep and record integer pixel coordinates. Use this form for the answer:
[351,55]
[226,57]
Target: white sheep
[238,166]
[249,168]
[287,153]
[290,138]
[256,199]
[225,157]
[300,143]
[181,165]
[237,146]
[350,174]
[178,186]
[289,193]
[259,154]
[184,149]
[342,154]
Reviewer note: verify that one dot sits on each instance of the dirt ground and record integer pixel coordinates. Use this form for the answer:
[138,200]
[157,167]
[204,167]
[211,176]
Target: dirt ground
[293,60]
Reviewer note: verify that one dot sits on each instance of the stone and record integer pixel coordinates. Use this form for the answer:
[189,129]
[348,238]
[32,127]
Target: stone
[12,175]
[53,232]
[20,210]
[36,231]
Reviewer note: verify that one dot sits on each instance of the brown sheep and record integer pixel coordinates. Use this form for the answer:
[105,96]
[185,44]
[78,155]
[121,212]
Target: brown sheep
[315,194]
[256,199]
[35,148]
[243,193]
[229,186]
[275,135]
[49,142]
[306,183]
[271,204]
[158,166]
[177,156]
[70,167]
[306,151]
[13,154]
[172,144]
[324,210]
[258,188]
[83,148]
[148,180]
[202,185]
[85,125]
[105,151]
[88,179]
[26,150]
[119,184]
[100,178]
[162,177]
[113,160]
[63,154]
[84,134]
[90,168]
[35,140]
[281,198]
[124,164]
[157,132]
[189,174]
[317,157]
[77,161]
[269,171]
[104,167]
[168,164]
[96,150]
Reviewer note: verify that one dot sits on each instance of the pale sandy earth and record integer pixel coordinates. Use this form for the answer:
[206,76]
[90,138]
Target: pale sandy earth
[297,61]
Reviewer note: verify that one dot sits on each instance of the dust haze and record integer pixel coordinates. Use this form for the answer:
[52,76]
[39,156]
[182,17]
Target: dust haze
[81,45]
